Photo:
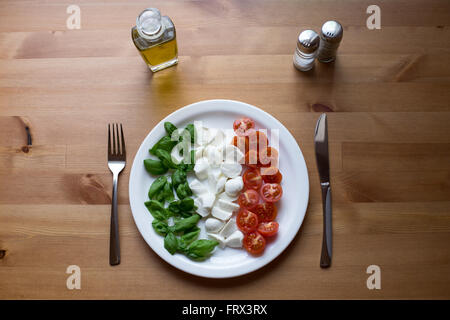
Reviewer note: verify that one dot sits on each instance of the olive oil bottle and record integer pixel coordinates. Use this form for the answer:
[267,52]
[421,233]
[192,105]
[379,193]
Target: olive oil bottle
[155,38]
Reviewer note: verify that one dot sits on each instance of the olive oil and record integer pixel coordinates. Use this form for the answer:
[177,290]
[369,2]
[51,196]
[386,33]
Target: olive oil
[155,38]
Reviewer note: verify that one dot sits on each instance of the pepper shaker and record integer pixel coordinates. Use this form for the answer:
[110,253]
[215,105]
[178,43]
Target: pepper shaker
[330,38]
[306,51]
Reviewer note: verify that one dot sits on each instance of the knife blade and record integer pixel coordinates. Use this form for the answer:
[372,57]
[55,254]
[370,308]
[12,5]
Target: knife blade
[323,165]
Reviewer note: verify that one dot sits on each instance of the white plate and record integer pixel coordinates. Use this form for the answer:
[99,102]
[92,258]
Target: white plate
[291,209]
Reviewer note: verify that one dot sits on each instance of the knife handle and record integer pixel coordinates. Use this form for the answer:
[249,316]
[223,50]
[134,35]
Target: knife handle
[325,258]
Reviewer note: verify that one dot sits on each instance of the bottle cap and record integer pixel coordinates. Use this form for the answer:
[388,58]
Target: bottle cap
[332,31]
[308,41]
[149,22]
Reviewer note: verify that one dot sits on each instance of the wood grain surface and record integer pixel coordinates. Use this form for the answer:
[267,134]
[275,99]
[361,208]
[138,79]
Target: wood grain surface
[387,97]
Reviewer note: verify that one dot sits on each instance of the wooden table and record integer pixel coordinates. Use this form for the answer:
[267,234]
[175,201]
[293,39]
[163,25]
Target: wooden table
[387,98]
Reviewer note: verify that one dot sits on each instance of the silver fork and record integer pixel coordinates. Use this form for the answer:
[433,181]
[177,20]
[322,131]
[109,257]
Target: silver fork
[116,163]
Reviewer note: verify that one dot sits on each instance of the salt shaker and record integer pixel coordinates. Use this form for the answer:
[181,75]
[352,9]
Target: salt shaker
[306,51]
[330,38]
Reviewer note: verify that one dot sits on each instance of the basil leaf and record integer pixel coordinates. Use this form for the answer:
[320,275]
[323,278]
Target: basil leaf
[200,249]
[155,167]
[187,204]
[178,177]
[156,209]
[165,143]
[185,224]
[168,192]
[160,227]
[183,190]
[171,243]
[165,158]
[170,128]
[188,238]
[190,128]
[174,206]
[157,187]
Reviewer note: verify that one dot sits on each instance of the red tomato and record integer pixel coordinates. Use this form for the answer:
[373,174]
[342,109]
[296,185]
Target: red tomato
[258,140]
[254,243]
[268,229]
[242,143]
[268,157]
[271,175]
[271,192]
[251,158]
[252,179]
[247,221]
[248,199]
[244,126]
[266,211]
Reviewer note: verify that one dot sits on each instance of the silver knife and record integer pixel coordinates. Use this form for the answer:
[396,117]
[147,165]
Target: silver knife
[323,164]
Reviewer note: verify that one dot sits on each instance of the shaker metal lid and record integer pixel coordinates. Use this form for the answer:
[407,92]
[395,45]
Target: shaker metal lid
[332,31]
[308,41]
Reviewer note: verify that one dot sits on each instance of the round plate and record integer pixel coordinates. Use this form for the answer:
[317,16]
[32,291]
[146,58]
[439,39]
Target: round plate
[228,262]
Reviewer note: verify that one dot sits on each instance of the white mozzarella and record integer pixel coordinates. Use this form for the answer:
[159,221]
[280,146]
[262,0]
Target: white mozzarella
[199,152]
[213,225]
[200,209]
[214,155]
[207,200]
[220,185]
[231,169]
[221,214]
[228,229]
[235,239]
[199,133]
[214,175]
[218,238]
[226,197]
[197,187]
[217,137]
[228,205]
[233,154]
[233,186]
[201,168]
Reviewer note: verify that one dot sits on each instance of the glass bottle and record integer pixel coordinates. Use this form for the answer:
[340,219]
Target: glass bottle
[306,51]
[155,38]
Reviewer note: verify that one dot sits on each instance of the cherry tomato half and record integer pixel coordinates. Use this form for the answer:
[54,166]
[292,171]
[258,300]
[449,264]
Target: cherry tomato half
[271,192]
[252,179]
[268,157]
[266,211]
[271,175]
[247,221]
[241,142]
[244,126]
[251,158]
[258,140]
[268,229]
[254,243]
[248,199]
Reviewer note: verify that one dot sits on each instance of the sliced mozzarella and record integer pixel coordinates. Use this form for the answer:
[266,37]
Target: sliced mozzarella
[220,186]
[231,169]
[214,175]
[235,239]
[201,168]
[218,238]
[226,197]
[207,200]
[214,155]
[199,152]
[200,209]
[227,205]
[233,154]
[228,229]
[233,186]
[213,225]
[221,214]
[199,133]
[217,137]
[197,187]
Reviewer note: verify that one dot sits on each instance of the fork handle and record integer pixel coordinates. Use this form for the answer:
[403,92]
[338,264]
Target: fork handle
[325,258]
[114,245]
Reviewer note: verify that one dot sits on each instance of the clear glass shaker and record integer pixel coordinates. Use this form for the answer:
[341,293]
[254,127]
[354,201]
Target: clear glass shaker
[307,50]
[155,38]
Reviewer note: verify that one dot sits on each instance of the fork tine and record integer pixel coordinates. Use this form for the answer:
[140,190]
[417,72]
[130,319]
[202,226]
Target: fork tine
[114,140]
[123,140]
[117,140]
[109,138]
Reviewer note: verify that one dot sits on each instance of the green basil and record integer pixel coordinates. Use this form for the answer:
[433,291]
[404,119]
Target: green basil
[165,158]
[174,207]
[171,243]
[178,177]
[185,224]
[190,128]
[183,190]
[200,249]
[160,227]
[165,143]
[187,239]
[156,209]
[167,192]
[157,187]
[155,167]
[170,128]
